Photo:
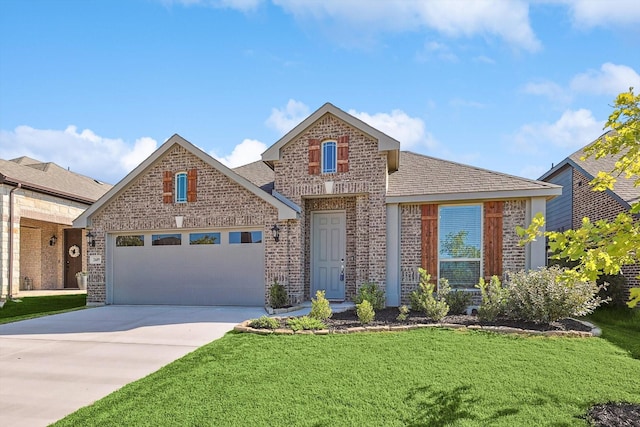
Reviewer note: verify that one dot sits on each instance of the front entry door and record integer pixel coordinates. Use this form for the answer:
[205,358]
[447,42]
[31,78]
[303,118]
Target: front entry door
[72,256]
[328,254]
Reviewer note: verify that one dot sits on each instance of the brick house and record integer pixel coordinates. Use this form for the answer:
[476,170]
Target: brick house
[332,205]
[578,200]
[38,202]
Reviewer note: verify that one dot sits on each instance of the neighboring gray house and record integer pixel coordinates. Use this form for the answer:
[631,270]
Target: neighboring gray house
[578,200]
[38,202]
[332,205]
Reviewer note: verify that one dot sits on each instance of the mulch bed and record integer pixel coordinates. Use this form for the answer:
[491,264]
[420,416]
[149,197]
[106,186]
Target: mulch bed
[614,414]
[387,317]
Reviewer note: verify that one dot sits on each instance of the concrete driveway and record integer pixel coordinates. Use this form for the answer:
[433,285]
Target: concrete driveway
[54,365]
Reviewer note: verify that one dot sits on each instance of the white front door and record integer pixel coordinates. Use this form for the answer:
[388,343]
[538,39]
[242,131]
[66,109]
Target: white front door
[328,249]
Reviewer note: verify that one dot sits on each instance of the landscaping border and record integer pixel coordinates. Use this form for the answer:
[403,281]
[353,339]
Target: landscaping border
[595,331]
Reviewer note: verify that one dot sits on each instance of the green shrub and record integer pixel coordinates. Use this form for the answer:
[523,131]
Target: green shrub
[458,301]
[614,290]
[265,322]
[495,299]
[305,323]
[365,312]
[320,307]
[546,295]
[404,312]
[278,295]
[372,293]
[432,304]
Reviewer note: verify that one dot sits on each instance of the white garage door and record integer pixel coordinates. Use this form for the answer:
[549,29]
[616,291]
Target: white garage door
[189,268]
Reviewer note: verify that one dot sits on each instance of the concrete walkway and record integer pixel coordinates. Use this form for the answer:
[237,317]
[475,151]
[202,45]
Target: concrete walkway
[53,365]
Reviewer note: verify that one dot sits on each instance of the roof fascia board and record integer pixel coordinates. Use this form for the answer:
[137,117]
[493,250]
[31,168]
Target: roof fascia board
[284,211]
[482,195]
[385,142]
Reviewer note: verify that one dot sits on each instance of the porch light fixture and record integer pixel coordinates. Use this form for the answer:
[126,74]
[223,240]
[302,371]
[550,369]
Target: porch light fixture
[179,221]
[275,231]
[53,240]
[91,236]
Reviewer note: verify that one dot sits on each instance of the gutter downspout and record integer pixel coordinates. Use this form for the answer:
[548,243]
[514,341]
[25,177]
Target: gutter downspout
[10,284]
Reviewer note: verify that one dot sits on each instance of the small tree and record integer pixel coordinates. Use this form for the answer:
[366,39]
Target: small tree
[431,303]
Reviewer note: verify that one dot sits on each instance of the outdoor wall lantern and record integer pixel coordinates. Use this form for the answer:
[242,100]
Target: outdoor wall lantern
[275,231]
[53,240]
[91,236]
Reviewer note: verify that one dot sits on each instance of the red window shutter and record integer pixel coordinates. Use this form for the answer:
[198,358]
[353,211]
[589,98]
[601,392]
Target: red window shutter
[167,187]
[493,238]
[192,180]
[343,153]
[429,240]
[314,157]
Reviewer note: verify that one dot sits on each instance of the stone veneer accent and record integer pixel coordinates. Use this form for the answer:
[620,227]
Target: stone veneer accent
[220,203]
[360,191]
[513,255]
[598,205]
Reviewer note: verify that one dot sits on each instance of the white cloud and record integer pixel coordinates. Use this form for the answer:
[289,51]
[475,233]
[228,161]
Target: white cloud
[574,129]
[551,90]
[106,159]
[249,150]
[285,119]
[410,131]
[508,20]
[611,79]
[609,13]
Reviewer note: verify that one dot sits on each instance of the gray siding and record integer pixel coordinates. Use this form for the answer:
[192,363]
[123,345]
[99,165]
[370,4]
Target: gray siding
[559,210]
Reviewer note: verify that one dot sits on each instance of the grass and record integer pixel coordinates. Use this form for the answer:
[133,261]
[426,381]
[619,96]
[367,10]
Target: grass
[30,307]
[428,377]
[620,327]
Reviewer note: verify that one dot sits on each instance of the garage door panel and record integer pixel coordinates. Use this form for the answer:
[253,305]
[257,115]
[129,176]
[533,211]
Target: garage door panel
[189,274]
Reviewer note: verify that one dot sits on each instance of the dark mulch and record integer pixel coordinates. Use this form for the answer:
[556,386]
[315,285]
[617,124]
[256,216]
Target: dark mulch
[387,317]
[614,414]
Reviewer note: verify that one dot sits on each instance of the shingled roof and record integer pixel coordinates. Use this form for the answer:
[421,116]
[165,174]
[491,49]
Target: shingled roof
[49,178]
[424,178]
[257,173]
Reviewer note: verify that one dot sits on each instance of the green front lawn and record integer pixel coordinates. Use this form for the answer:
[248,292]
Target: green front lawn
[428,377]
[30,307]
[619,326]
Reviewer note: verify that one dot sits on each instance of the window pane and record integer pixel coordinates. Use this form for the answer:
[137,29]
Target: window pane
[181,187]
[329,157]
[204,238]
[460,231]
[166,239]
[461,274]
[245,237]
[130,241]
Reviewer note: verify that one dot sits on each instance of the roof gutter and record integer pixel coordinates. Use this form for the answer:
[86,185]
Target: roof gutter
[10,284]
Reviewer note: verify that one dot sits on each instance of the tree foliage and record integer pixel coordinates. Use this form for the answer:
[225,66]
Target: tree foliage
[603,247]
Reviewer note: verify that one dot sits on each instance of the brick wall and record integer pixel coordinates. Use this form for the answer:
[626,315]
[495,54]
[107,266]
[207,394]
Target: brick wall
[360,191]
[220,203]
[513,255]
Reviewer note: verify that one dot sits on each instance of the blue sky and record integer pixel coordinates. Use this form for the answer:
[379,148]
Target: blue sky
[512,86]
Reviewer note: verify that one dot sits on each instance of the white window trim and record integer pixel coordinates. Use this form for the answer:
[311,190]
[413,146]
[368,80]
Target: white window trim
[186,186]
[481,240]
[335,162]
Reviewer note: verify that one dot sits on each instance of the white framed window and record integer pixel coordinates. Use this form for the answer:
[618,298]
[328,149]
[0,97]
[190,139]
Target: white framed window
[181,187]
[460,244]
[240,237]
[329,159]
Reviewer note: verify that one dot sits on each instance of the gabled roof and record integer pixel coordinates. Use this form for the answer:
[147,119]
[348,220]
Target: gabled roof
[385,142]
[623,191]
[427,179]
[49,178]
[284,210]
[258,173]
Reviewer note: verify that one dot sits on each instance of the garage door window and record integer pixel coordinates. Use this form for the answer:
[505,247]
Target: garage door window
[245,237]
[129,241]
[166,239]
[204,238]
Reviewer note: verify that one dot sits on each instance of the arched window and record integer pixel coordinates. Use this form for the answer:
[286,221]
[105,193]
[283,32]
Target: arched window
[329,157]
[181,187]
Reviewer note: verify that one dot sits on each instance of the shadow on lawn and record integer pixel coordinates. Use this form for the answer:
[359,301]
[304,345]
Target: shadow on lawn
[442,407]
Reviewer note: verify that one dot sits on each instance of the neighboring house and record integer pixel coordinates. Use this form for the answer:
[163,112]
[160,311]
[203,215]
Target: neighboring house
[578,200]
[332,205]
[38,202]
